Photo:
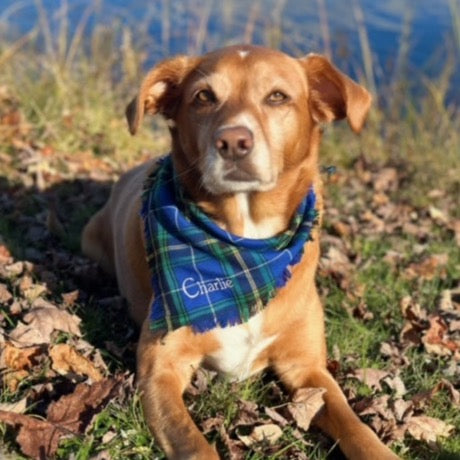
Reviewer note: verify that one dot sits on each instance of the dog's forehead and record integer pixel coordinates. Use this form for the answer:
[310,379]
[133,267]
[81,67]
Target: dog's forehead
[239,64]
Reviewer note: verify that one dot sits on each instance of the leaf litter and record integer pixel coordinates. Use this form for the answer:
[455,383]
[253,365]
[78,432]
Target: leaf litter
[56,378]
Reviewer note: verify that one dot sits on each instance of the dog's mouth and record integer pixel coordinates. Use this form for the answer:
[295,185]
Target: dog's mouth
[235,180]
[235,173]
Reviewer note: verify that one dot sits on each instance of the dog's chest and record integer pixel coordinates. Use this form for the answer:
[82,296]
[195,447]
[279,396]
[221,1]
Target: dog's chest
[240,347]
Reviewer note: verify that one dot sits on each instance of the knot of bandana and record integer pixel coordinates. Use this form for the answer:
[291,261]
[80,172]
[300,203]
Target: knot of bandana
[204,276]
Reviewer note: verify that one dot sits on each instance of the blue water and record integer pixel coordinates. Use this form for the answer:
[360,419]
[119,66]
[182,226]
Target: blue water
[408,38]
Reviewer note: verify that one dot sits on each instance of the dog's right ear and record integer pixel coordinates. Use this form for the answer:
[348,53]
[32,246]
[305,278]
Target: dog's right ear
[333,95]
[159,91]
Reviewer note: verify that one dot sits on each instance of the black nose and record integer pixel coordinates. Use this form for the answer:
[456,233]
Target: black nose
[234,143]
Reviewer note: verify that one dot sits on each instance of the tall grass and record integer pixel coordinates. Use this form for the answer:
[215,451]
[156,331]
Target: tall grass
[73,81]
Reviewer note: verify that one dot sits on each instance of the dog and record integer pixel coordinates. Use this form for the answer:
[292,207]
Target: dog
[215,246]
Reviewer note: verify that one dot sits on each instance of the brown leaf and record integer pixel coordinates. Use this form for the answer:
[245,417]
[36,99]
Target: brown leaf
[5,254]
[438,215]
[103,455]
[424,428]
[392,351]
[71,414]
[18,358]
[74,411]
[397,385]
[420,400]
[411,333]
[305,405]
[38,439]
[42,320]
[66,359]
[337,264]
[453,393]
[276,416]
[370,377]
[402,409]
[386,180]
[235,447]
[18,407]
[263,433]
[5,294]
[70,298]
[445,302]
[30,290]
[375,406]
[411,310]
[248,413]
[428,268]
[212,424]
[12,379]
[14,269]
[436,339]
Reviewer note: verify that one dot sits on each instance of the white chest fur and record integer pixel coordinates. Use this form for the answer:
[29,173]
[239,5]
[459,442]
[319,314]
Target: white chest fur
[240,347]
[264,229]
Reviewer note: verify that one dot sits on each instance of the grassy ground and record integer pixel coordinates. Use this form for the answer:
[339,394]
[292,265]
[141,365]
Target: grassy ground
[389,276]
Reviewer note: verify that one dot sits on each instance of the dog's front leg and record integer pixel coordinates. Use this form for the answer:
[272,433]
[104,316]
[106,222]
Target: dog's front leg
[356,440]
[301,363]
[165,366]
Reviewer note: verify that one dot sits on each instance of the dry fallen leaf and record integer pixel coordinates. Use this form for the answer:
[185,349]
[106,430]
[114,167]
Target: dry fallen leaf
[5,254]
[386,180]
[375,406]
[66,359]
[305,405]
[436,339]
[42,320]
[263,433]
[438,215]
[12,379]
[424,428]
[428,268]
[18,358]
[235,447]
[370,377]
[276,416]
[397,385]
[71,414]
[5,294]
[402,409]
[18,407]
[38,439]
[453,393]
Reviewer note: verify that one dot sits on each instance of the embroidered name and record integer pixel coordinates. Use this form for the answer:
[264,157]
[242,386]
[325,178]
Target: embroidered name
[193,288]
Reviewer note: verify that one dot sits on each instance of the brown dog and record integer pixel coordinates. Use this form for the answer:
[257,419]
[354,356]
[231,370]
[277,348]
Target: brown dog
[245,126]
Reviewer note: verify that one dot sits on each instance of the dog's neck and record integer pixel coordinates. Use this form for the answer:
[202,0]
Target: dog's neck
[257,214]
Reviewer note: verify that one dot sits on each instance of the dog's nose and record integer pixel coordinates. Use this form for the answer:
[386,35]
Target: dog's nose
[234,142]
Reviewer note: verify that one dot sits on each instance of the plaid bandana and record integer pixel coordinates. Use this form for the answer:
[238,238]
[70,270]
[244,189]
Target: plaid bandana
[202,275]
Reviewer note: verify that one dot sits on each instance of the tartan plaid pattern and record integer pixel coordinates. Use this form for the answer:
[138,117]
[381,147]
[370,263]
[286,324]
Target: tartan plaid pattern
[202,275]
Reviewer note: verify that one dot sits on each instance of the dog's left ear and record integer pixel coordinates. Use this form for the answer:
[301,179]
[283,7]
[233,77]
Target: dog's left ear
[333,95]
[160,90]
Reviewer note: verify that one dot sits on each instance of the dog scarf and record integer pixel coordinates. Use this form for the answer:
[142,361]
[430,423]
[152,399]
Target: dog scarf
[202,275]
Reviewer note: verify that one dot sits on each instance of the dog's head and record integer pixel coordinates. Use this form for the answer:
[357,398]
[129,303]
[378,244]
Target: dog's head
[242,115]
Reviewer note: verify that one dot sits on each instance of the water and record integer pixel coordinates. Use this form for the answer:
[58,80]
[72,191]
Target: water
[408,39]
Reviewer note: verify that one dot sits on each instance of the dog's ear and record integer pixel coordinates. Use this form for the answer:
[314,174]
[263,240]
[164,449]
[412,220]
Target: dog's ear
[160,90]
[333,95]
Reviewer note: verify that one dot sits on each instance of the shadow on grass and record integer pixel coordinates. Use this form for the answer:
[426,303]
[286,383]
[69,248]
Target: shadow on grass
[43,228]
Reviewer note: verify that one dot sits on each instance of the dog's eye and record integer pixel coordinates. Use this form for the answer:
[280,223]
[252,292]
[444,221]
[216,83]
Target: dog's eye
[276,98]
[205,97]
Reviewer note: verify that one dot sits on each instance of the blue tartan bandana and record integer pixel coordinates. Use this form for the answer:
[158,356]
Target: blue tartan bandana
[204,276]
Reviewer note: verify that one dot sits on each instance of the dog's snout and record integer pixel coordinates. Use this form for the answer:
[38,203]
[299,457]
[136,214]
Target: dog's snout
[234,142]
